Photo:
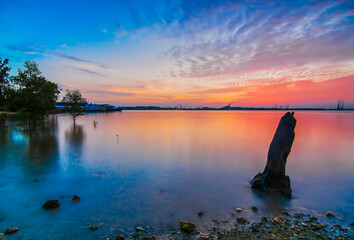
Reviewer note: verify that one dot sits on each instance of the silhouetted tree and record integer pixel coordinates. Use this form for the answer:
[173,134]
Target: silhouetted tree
[4,78]
[31,94]
[75,101]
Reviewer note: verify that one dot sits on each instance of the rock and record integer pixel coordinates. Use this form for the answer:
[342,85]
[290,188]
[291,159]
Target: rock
[238,209]
[139,229]
[264,220]
[11,230]
[298,215]
[75,198]
[174,232]
[273,178]
[313,219]
[200,214]
[284,212]
[329,214]
[187,227]
[254,227]
[93,227]
[316,226]
[51,204]
[351,224]
[241,220]
[254,209]
[62,197]
[1,235]
[120,237]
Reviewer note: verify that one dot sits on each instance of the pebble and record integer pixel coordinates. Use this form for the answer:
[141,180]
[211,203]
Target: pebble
[317,226]
[238,209]
[329,214]
[93,227]
[11,230]
[200,214]
[1,235]
[51,204]
[241,220]
[75,198]
[139,229]
[254,209]
[187,227]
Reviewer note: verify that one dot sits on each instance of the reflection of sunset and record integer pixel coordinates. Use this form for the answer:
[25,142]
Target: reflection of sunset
[226,137]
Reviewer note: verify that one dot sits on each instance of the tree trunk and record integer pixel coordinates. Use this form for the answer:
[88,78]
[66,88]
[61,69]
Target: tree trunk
[273,178]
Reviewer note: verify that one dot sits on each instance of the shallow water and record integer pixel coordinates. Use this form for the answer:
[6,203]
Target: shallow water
[154,168]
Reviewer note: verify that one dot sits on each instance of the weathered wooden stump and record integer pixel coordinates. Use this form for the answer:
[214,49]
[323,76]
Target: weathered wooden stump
[273,178]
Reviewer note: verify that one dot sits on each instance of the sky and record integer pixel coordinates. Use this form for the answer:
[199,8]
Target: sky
[189,52]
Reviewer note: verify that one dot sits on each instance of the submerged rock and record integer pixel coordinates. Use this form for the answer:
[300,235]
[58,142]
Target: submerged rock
[120,237]
[241,220]
[139,229]
[254,209]
[51,204]
[316,226]
[93,227]
[11,230]
[76,198]
[200,214]
[187,227]
[329,214]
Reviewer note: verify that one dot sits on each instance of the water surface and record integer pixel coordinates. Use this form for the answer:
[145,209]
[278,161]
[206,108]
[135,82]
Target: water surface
[154,168]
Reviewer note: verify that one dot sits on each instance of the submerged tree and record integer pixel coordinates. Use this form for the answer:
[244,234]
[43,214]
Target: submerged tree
[4,79]
[31,94]
[75,101]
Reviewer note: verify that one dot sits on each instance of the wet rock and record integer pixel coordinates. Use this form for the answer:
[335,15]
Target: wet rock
[200,214]
[298,215]
[254,227]
[11,230]
[284,212]
[264,220]
[51,204]
[238,209]
[254,209]
[120,237]
[241,220]
[351,224]
[75,198]
[316,226]
[139,229]
[313,219]
[329,214]
[1,235]
[205,236]
[93,227]
[187,227]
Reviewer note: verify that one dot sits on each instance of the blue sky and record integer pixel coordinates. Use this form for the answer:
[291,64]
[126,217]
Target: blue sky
[190,52]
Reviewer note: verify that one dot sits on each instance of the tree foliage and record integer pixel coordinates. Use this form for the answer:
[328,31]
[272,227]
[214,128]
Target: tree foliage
[32,94]
[75,101]
[4,79]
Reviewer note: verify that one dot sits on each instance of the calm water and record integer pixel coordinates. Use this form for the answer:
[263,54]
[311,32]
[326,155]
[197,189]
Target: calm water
[167,166]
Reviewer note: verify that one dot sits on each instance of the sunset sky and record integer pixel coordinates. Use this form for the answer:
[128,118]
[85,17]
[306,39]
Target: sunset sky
[210,53]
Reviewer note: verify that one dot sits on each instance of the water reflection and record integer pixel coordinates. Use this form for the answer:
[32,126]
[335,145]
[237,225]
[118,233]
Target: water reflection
[75,136]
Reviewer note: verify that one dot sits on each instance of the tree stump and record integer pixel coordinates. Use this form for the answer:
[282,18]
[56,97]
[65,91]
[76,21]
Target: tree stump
[273,178]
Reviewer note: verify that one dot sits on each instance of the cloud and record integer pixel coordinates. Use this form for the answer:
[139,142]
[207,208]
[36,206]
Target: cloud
[104,92]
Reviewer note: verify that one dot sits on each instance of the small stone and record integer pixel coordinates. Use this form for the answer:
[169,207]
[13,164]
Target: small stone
[313,219]
[93,227]
[329,214]
[51,204]
[120,237]
[75,198]
[264,220]
[200,214]
[187,227]
[241,220]
[254,209]
[1,235]
[298,215]
[139,229]
[238,209]
[11,230]
[284,212]
[316,226]
[205,236]
[351,224]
